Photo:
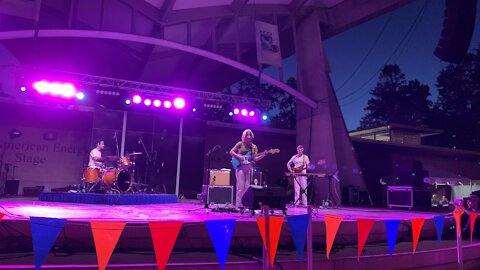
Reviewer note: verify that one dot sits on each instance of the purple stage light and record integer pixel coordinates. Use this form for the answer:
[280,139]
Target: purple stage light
[264,117]
[23,89]
[128,101]
[40,86]
[147,102]
[167,104]
[157,103]
[80,95]
[236,111]
[137,99]
[230,113]
[67,90]
[244,112]
[55,88]
[194,109]
[251,113]
[179,103]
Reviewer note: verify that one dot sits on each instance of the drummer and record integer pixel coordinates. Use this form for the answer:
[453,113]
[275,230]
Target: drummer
[95,161]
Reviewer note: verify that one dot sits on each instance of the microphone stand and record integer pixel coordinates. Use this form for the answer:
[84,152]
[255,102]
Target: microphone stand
[116,144]
[147,161]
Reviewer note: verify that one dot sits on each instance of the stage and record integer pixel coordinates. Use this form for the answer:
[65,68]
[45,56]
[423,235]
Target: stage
[75,249]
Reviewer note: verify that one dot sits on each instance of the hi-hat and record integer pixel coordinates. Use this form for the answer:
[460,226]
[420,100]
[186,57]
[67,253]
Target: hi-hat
[135,153]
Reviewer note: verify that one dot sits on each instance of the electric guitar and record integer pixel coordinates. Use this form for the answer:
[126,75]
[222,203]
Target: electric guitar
[249,158]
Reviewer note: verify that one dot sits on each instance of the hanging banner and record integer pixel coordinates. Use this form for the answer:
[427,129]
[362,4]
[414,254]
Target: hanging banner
[268,44]
[417,224]
[164,236]
[392,231]
[473,217]
[105,237]
[439,221]
[331,225]
[275,228]
[364,226]
[221,232]
[457,214]
[298,228]
[44,233]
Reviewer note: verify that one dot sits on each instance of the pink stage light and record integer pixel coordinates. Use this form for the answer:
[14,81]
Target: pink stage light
[251,113]
[147,102]
[244,112]
[41,86]
[67,90]
[128,101]
[157,103]
[179,103]
[55,88]
[137,99]
[236,111]
[167,104]
[80,95]
[23,89]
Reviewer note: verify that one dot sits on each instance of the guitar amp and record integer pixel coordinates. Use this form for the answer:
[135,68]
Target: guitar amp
[219,177]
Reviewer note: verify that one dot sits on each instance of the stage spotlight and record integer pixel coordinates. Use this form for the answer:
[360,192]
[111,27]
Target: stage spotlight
[23,89]
[80,95]
[230,113]
[67,90]
[40,86]
[264,117]
[137,99]
[251,113]
[128,101]
[157,103]
[236,111]
[244,112]
[167,104]
[179,103]
[147,102]
[194,109]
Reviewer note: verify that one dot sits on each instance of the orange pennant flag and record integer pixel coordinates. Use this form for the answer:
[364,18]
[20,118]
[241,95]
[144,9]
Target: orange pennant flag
[331,223]
[364,226]
[105,237]
[473,217]
[164,235]
[457,214]
[275,229]
[417,224]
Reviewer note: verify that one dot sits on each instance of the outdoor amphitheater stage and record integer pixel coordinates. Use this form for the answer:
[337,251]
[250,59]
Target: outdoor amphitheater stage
[75,247]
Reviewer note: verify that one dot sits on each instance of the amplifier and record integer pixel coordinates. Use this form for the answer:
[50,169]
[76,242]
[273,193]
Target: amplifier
[220,195]
[409,197]
[219,177]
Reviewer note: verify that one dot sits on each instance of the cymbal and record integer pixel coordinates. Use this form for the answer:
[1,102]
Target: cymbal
[135,153]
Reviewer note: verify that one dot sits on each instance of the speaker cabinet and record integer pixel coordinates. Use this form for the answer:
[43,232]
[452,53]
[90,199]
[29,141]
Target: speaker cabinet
[219,177]
[220,195]
[11,187]
[409,197]
[457,31]
[256,196]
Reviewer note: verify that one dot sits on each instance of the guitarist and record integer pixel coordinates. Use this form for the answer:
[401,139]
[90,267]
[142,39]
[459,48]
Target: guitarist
[299,164]
[247,153]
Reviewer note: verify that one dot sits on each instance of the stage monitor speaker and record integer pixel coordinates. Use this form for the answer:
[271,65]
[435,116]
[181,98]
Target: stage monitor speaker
[458,25]
[256,197]
[220,195]
[11,187]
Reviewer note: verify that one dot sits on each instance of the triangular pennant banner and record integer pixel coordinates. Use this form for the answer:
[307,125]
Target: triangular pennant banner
[364,226]
[275,228]
[331,225]
[298,228]
[473,217]
[44,233]
[392,231]
[1,216]
[457,214]
[221,232]
[439,221]
[105,237]
[164,236]
[417,224]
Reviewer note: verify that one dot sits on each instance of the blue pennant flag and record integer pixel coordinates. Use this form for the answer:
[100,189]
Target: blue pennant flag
[44,233]
[298,227]
[392,231]
[221,232]
[439,220]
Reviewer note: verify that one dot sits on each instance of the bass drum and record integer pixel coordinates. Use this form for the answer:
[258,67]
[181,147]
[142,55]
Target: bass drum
[124,181]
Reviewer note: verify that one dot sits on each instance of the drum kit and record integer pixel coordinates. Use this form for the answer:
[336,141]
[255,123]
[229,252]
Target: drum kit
[119,179]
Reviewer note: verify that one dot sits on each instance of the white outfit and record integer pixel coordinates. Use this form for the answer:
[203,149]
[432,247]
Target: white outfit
[300,161]
[91,162]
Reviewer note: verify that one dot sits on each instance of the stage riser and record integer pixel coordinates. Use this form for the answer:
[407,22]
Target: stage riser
[109,199]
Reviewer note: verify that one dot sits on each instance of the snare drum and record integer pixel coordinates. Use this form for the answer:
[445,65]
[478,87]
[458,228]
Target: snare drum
[109,176]
[91,175]
[124,163]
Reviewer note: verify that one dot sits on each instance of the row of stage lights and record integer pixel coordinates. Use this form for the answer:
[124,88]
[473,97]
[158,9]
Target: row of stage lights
[68,90]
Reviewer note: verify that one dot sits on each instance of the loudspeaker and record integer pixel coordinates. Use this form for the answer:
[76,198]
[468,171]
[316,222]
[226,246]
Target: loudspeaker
[220,195]
[457,31]
[11,187]
[219,177]
[256,197]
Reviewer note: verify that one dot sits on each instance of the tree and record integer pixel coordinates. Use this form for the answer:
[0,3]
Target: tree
[396,100]
[457,109]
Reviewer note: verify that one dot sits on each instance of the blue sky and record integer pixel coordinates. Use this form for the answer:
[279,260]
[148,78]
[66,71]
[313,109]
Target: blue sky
[407,37]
